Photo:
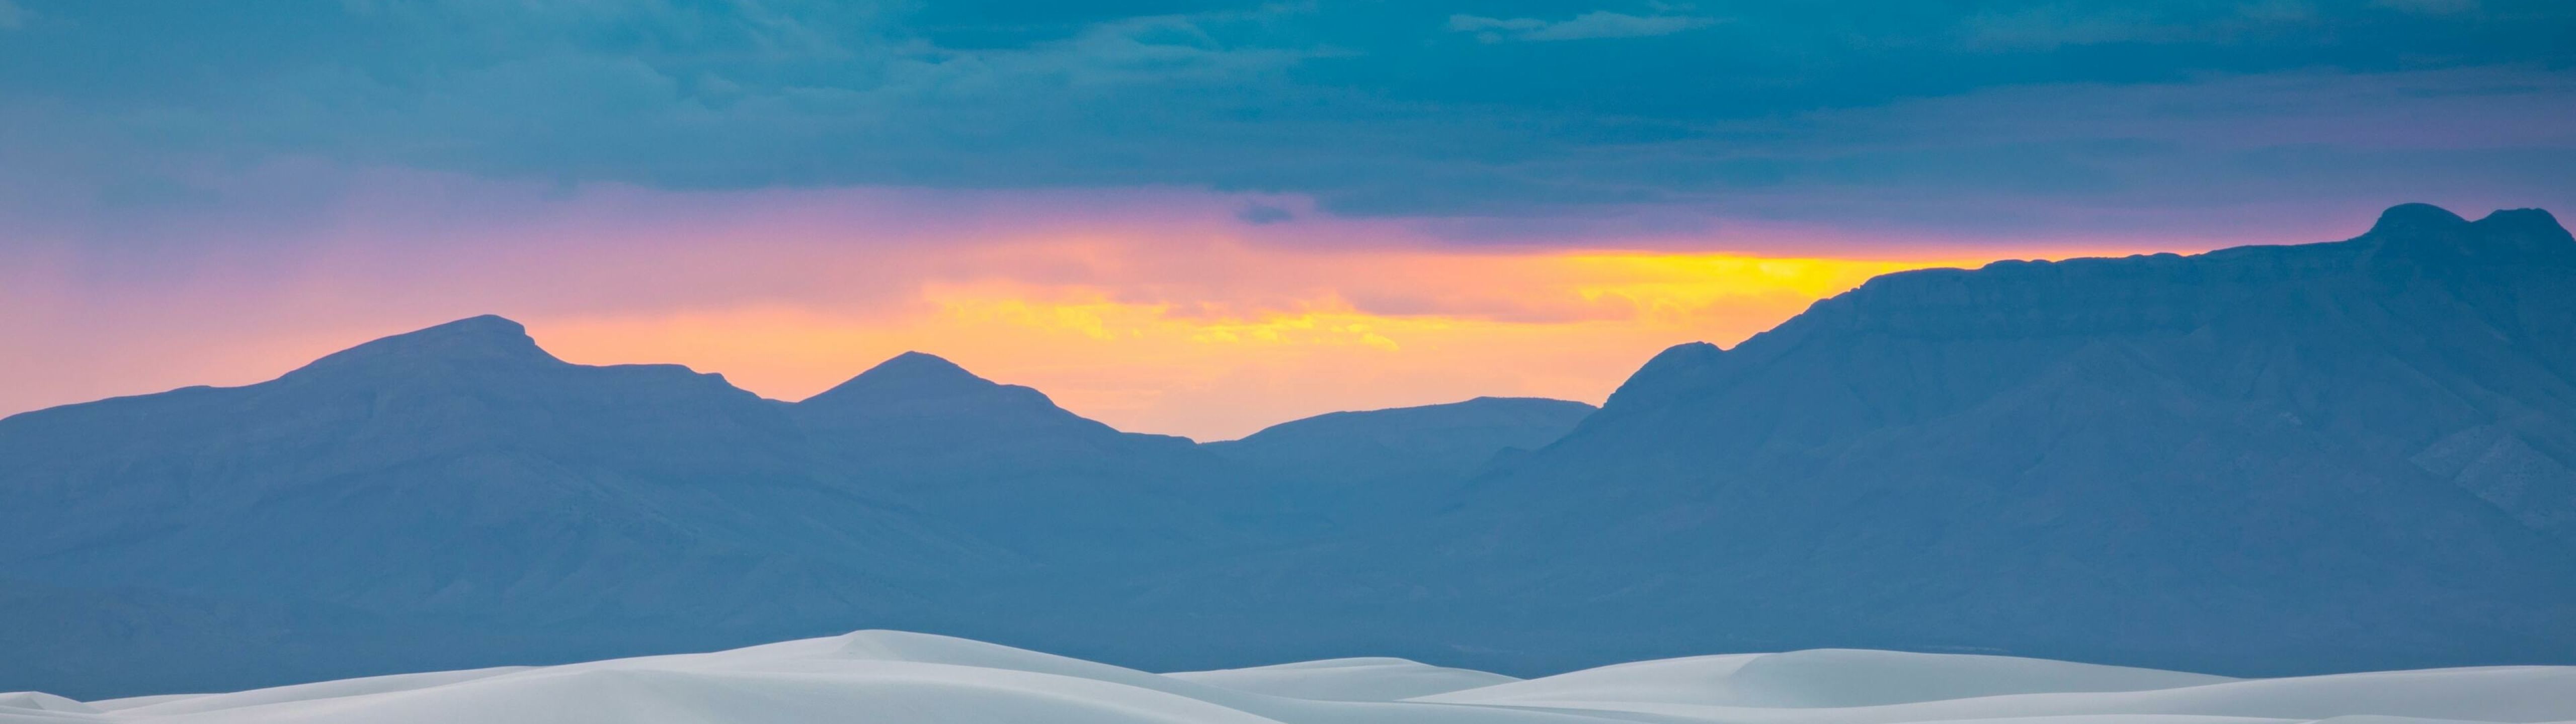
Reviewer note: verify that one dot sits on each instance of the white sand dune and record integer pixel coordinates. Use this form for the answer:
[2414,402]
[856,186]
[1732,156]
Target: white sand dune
[1826,678]
[1875,688]
[1351,679]
[893,677]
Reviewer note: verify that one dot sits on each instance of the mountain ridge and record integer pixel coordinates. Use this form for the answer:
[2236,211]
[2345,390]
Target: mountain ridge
[1373,465]
[2261,460]
[2111,412]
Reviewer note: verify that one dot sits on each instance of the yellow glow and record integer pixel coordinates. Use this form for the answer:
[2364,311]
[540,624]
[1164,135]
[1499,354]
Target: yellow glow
[1261,339]
[1152,309]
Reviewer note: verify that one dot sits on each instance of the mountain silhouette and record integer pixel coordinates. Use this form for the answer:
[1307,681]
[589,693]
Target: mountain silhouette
[455,477]
[1372,464]
[932,411]
[2256,460]
[914,389]
[1401,442]
[457,497]
[1054,489]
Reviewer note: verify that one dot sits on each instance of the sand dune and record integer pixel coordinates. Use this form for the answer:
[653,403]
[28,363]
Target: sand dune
[1351,679]
[908,678]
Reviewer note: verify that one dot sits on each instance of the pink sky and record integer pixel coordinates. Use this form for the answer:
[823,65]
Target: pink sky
[1153,310]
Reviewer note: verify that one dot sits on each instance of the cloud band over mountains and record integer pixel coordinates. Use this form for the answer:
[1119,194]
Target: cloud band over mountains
[1156,311]
[210,176]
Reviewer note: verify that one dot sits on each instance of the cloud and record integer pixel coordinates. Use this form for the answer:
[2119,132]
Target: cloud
[1159,310]
[1366,109]
[1595,24]
[2055,26]
[1477,23]
[1264,214]
[644,179]
[2429,7]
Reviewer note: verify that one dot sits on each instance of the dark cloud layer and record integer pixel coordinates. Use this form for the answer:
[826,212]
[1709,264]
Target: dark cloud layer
[1963,117]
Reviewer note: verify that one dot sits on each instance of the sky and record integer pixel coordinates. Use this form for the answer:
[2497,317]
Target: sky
[1178,216]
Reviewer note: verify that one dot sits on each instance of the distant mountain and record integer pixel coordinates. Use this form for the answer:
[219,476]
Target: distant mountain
[455,468]
[2258,461]
[459,478]
[918,404]
[2264,459]
[459,473]
[1403,446]
[1007,464]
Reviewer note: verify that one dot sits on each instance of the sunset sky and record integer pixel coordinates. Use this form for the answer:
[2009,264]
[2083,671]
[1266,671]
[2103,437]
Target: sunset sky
[1178,217]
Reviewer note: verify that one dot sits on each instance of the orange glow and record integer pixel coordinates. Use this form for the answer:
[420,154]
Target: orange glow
[1557,324]
[1152,311]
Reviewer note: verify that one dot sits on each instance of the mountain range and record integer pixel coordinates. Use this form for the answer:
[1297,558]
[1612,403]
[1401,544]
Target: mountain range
[2259,460]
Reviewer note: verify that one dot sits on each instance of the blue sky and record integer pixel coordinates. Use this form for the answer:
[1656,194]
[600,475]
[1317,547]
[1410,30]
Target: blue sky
[1179,215]
[1963,115]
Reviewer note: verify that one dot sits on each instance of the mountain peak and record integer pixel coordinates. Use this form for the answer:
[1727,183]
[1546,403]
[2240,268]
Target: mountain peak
[906,375]
[2416,218]
[481,335]
[2512,237]
[484,339]
[2528,227]
[1688,352]
[923,399]
[917,364]
[1675,367]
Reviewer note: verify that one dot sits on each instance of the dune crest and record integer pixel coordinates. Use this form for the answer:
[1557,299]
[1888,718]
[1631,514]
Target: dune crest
[896,677]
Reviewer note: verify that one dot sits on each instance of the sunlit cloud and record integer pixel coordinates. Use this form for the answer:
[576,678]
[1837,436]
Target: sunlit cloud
[1165,355]
[1154,310]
